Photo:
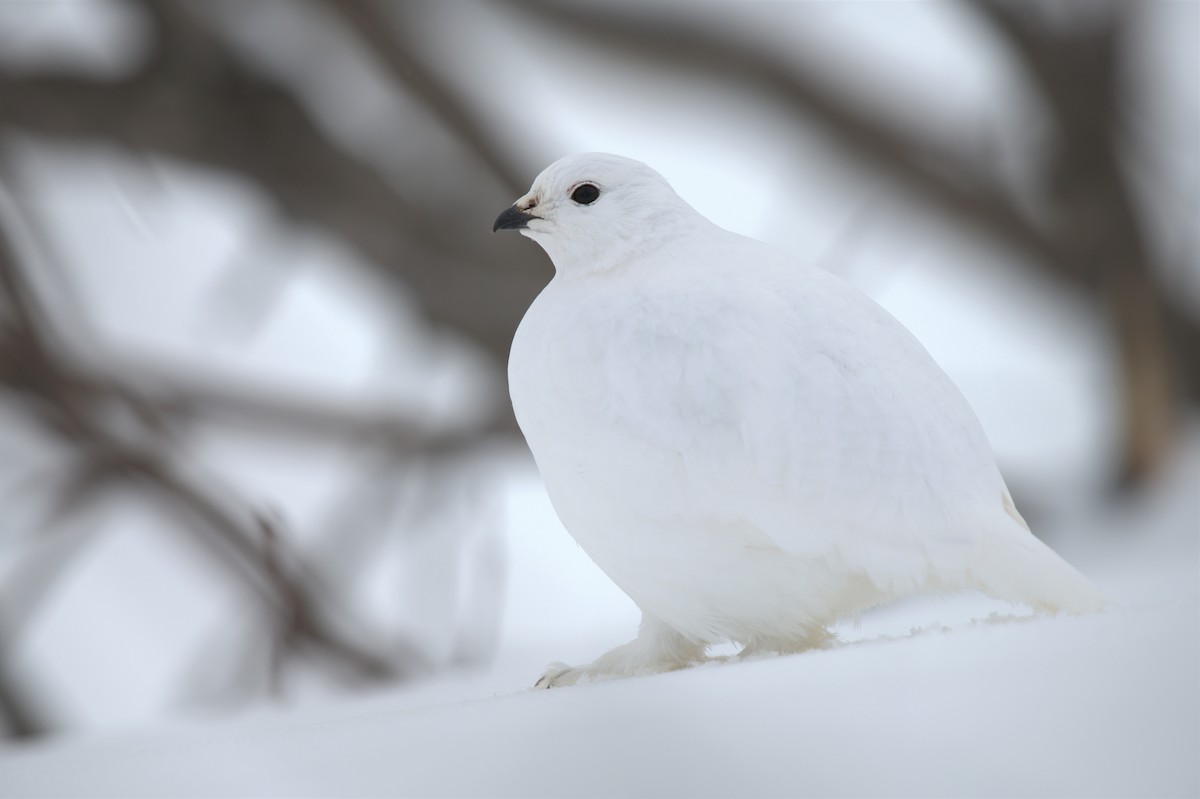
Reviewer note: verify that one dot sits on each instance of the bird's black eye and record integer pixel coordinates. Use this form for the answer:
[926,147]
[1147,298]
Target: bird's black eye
[586,194]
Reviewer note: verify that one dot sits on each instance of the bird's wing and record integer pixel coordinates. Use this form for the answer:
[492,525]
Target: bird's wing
[801,408]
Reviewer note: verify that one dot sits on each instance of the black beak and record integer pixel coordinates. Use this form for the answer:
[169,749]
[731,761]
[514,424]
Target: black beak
[512,218]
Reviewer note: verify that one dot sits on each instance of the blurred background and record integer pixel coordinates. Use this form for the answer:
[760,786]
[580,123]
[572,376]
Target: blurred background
[255,442]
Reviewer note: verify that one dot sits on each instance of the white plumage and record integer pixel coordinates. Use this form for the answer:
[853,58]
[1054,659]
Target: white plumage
[749,447]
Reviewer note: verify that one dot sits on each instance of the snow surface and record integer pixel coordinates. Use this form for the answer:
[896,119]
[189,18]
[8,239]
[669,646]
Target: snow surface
[936,697]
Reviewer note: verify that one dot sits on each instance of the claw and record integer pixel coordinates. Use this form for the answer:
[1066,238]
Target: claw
[558,674]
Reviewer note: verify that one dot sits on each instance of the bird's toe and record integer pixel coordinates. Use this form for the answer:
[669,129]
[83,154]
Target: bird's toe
[557,675]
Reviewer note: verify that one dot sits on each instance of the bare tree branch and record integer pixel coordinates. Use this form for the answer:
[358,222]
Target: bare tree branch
[17,712]
[234,119]
[32,368]
[1092,210]
[366,20]
[870,139]
[1077,254]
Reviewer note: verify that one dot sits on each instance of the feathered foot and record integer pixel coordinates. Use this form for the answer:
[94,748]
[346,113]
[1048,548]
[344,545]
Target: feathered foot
[814,638]
[656,649]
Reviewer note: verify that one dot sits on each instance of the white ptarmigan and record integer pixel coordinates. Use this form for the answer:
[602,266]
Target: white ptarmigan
[748,446]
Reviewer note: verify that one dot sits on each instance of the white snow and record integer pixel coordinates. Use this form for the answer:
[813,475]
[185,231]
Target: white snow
[1004,710]
[936,697]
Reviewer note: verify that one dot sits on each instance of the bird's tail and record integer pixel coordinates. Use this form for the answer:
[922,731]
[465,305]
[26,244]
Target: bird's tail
[1017,567]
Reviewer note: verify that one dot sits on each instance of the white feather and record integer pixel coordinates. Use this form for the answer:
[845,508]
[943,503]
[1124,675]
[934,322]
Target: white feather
[749,447]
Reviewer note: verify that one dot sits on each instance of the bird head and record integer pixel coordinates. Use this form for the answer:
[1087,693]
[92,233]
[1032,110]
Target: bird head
[590,212]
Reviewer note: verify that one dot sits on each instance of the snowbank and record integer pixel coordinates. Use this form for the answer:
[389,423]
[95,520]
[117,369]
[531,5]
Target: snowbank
[1099,706]
[968,704]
